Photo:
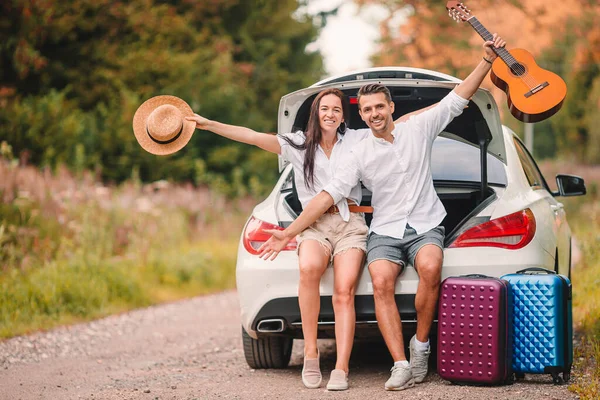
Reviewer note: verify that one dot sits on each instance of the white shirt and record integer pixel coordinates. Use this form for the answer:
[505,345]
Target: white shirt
[324,167]
[399,173]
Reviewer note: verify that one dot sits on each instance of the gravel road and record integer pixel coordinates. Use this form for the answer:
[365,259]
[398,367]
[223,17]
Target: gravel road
[192,350]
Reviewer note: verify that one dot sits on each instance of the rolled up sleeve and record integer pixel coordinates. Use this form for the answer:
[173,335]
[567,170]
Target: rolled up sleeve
[287,151]
[432,122]
[346,177]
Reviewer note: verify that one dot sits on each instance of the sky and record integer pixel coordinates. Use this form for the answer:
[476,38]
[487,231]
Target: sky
[350,37]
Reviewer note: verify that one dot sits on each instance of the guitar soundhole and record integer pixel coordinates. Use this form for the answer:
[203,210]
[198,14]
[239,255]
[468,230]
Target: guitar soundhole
[518,69]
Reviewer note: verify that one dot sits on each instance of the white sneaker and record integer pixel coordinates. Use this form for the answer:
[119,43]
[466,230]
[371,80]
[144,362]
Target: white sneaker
[419,361]
[401,378]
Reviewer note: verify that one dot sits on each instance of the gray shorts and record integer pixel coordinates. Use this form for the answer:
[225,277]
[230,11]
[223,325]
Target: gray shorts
[402,251]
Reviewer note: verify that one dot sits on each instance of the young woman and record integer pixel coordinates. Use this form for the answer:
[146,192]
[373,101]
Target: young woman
[339,235]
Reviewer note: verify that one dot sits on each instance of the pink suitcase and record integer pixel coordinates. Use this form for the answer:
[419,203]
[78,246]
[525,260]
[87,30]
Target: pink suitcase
[474,330]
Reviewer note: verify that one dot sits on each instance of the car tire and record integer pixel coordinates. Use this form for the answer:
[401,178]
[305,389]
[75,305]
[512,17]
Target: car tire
[267,352]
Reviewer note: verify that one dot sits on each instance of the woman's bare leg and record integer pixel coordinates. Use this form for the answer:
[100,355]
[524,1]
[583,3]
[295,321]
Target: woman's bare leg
[347,267]
[313,261]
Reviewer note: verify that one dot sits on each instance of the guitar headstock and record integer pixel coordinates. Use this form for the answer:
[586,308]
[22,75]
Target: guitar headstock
[458,11]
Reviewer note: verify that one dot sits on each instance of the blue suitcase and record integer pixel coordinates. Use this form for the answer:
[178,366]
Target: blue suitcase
[542,325]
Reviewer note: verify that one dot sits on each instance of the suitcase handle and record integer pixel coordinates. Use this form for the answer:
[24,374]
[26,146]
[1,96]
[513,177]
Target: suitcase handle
[536,269]
[476,276]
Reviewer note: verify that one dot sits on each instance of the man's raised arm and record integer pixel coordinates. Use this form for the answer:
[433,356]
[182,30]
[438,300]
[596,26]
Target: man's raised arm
[467,88]
[405,117]
[279,239]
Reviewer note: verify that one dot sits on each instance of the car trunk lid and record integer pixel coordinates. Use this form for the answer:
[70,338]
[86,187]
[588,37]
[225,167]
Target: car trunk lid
[479,124]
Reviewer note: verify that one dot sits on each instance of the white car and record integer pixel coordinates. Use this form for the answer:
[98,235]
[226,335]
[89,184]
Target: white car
[502,216]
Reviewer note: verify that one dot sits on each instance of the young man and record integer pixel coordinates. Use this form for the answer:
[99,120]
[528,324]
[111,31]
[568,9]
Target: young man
[394,163]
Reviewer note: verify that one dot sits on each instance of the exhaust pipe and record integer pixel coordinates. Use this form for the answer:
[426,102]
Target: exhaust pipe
[271,326]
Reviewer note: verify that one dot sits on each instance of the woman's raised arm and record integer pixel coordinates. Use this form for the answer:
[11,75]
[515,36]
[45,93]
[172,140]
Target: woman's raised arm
[265,141]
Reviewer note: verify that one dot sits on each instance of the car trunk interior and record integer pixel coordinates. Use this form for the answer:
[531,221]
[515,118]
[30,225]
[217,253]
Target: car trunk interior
[460,203]
[460,199]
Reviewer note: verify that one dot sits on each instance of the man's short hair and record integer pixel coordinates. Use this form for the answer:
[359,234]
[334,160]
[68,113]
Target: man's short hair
[374,88]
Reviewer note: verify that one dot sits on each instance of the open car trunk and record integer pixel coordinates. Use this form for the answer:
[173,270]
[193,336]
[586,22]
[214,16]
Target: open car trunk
[461,203]
[467,158]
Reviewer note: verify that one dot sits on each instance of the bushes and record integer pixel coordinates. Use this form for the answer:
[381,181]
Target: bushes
[74,73]
[72,248]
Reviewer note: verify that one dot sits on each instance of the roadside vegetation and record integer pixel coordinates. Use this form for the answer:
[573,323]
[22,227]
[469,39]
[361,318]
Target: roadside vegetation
[72,249]
[584,219]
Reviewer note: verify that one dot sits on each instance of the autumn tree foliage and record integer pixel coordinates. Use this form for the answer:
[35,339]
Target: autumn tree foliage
[73,72]
[576,57]
[562,36]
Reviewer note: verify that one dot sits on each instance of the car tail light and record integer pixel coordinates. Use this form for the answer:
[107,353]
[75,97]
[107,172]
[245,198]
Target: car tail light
[255,236]
[512,231]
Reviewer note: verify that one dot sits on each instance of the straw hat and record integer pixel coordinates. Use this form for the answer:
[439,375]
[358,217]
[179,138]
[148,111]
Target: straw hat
[160,126]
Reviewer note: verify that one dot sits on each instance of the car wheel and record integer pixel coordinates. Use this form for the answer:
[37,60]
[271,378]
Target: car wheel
[267,352]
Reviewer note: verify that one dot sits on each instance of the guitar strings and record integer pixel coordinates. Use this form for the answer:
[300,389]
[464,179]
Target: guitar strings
[515,66]
[508,58]
[512,63]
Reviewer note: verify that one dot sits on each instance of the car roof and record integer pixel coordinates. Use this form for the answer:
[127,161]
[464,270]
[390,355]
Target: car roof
[389,73]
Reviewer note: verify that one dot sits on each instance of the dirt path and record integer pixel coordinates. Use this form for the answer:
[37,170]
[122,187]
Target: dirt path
[192,350]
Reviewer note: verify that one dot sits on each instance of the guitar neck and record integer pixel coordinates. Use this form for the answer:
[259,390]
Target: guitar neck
[487,36]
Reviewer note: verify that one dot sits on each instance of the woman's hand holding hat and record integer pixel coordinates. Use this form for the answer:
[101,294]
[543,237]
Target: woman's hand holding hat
[160,125]
[201,122]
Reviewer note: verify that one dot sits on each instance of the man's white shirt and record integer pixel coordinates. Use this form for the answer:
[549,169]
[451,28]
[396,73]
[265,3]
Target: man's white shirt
[399,173]
[324,167]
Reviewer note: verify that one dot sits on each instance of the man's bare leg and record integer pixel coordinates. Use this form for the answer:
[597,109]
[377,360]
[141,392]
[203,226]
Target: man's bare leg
[428,264]
[383,275]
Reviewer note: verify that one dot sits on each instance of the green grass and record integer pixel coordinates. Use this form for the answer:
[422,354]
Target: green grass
[583,214]
[76,290]
[585,223]
[73,250]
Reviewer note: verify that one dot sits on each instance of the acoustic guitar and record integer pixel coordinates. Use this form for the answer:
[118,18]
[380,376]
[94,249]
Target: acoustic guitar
[533,93]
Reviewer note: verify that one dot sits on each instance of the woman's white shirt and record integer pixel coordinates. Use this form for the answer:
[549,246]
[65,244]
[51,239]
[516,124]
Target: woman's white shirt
[324,167]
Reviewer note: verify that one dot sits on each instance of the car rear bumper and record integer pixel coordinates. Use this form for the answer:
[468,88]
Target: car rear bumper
[268,290]
[286,312]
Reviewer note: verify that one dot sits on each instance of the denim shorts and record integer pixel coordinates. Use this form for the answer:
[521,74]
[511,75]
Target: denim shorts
[402,251]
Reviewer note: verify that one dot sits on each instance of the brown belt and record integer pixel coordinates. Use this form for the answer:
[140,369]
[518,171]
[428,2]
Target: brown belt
[353,208]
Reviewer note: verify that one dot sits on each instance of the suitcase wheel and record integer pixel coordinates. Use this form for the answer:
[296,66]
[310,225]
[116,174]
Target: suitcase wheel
[557,379]
[510,379]
[566,376]
[519,375]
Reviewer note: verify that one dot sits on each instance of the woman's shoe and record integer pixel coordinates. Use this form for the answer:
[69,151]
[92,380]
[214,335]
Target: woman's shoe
[338,380]
[311,372]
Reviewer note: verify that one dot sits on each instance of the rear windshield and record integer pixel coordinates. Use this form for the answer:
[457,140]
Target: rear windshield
[453,160]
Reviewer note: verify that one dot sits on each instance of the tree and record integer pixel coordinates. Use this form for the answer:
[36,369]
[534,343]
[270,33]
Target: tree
[73,73]
[430,39]
[576,56]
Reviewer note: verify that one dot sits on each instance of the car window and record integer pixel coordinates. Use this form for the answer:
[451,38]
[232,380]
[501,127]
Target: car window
[453,160]
[534,176]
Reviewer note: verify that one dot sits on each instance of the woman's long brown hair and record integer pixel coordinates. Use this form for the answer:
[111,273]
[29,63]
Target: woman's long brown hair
[313,133]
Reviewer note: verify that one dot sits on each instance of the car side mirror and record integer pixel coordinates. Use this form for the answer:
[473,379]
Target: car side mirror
[569,185]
